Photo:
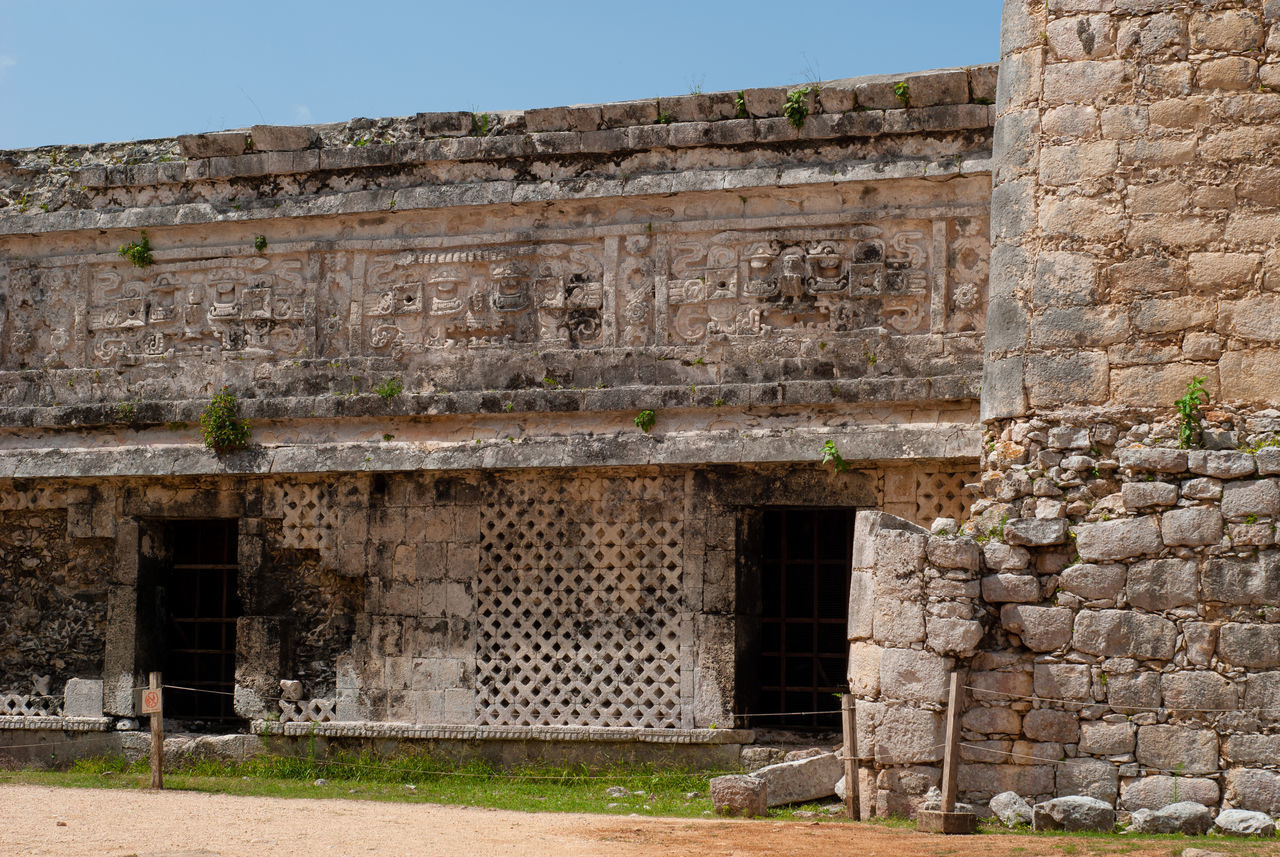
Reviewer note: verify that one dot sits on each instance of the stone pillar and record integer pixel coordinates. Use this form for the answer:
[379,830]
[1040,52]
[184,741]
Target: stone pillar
[1134,213]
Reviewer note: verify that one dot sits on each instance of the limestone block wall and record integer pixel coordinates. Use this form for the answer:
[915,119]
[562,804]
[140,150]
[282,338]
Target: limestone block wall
[1133,205]
[915,615]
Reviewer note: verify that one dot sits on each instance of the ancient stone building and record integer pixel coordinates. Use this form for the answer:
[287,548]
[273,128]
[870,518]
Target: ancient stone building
[551,413]
[538,401]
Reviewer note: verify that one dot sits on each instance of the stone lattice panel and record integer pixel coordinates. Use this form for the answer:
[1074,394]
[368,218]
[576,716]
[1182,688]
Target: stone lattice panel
[579,619]
[310,711]
[25,705]
[306,516]
[941,494]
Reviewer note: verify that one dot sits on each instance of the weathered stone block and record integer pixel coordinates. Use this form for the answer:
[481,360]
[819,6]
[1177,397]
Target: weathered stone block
[980,780]
[1047,724]
[1177,748]
[1019,588]
[1092,581]
[1232,580]
[1256,646]
[908,736]
[864,669]
[914,676]
[898,622]
[1074,813]
[1257,750]
[1200,525]
[953,636]
[898,559]
[1042,629]
[1119,539]
[1090,778]
[1124,634]
[801,780]
[1036,532]
[1059,380]
[1221,464]
[1002,557]
[1252,789]
[1244,822]
[1157,459]
[1107,739]
[994,685]
[1133,692]
[1140,496]
[1186,817]
[1063,681]
[1200,690]
[994,720]
[1154,792]
[290,138]
[1162,584]
[1258,497]
[82,697]
[220,145]
[959,553]
[737,794]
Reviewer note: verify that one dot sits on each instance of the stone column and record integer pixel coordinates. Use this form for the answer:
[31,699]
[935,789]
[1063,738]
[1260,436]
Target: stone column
[1134,215]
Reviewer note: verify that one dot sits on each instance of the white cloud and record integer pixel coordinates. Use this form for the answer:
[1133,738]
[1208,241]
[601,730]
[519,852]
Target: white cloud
[7,62]
[301,113]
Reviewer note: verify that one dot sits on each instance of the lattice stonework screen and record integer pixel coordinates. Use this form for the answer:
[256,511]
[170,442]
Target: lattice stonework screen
[579,603]
[941,494]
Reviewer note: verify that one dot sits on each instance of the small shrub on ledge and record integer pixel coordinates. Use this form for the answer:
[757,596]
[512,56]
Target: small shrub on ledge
[220,424]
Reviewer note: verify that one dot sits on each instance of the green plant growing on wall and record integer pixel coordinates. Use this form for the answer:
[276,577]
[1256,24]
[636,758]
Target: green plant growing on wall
[125,412]
[797,107]
[482,123]
[831,455]
[645,420]
[137,252]
[260,243]
[1189,414]
[220,424]
[740,105]
[389,389]
[902,91]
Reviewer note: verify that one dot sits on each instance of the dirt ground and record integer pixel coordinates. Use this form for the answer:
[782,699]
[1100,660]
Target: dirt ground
[39,820]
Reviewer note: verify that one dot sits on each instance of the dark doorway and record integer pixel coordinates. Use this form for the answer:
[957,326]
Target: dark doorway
[198,604]
[796,651]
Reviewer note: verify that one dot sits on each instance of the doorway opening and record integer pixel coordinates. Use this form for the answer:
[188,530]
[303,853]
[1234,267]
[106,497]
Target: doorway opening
[198,603]
[794,647]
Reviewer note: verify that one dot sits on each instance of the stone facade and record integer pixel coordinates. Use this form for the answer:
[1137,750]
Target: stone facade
[493,548]
[449,523]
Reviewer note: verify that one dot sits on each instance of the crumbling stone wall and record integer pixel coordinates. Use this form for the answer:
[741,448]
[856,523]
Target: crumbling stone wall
[1126,581]
[52,570]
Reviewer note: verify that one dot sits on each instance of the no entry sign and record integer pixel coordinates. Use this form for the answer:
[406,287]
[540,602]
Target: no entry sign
[151,701]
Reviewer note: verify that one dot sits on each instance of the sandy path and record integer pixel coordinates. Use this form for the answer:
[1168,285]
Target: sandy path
[40,820]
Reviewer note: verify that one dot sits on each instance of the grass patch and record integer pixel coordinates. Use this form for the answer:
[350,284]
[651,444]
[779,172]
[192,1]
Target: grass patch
[409,779]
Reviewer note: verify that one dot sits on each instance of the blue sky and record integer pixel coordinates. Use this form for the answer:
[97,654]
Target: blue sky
[82,71]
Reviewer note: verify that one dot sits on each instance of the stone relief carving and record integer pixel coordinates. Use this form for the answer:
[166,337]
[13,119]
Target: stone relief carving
[680,290]
[969,263]
[548,292]
[743,283]
[251,307]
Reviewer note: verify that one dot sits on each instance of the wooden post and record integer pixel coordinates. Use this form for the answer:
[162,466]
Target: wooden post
[157,736]
[947,820]
[952,752]
[849,722]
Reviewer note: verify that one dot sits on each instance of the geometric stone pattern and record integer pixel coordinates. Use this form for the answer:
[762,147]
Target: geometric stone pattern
[313,711]
[579,612]
[25,705]
[306,516]
[942,494]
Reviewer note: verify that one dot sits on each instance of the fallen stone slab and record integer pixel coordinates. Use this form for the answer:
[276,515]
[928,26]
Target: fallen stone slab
[739,794]
[1073,813]
[1189,817]
[1011,809]
[1244,822]
[802,780]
